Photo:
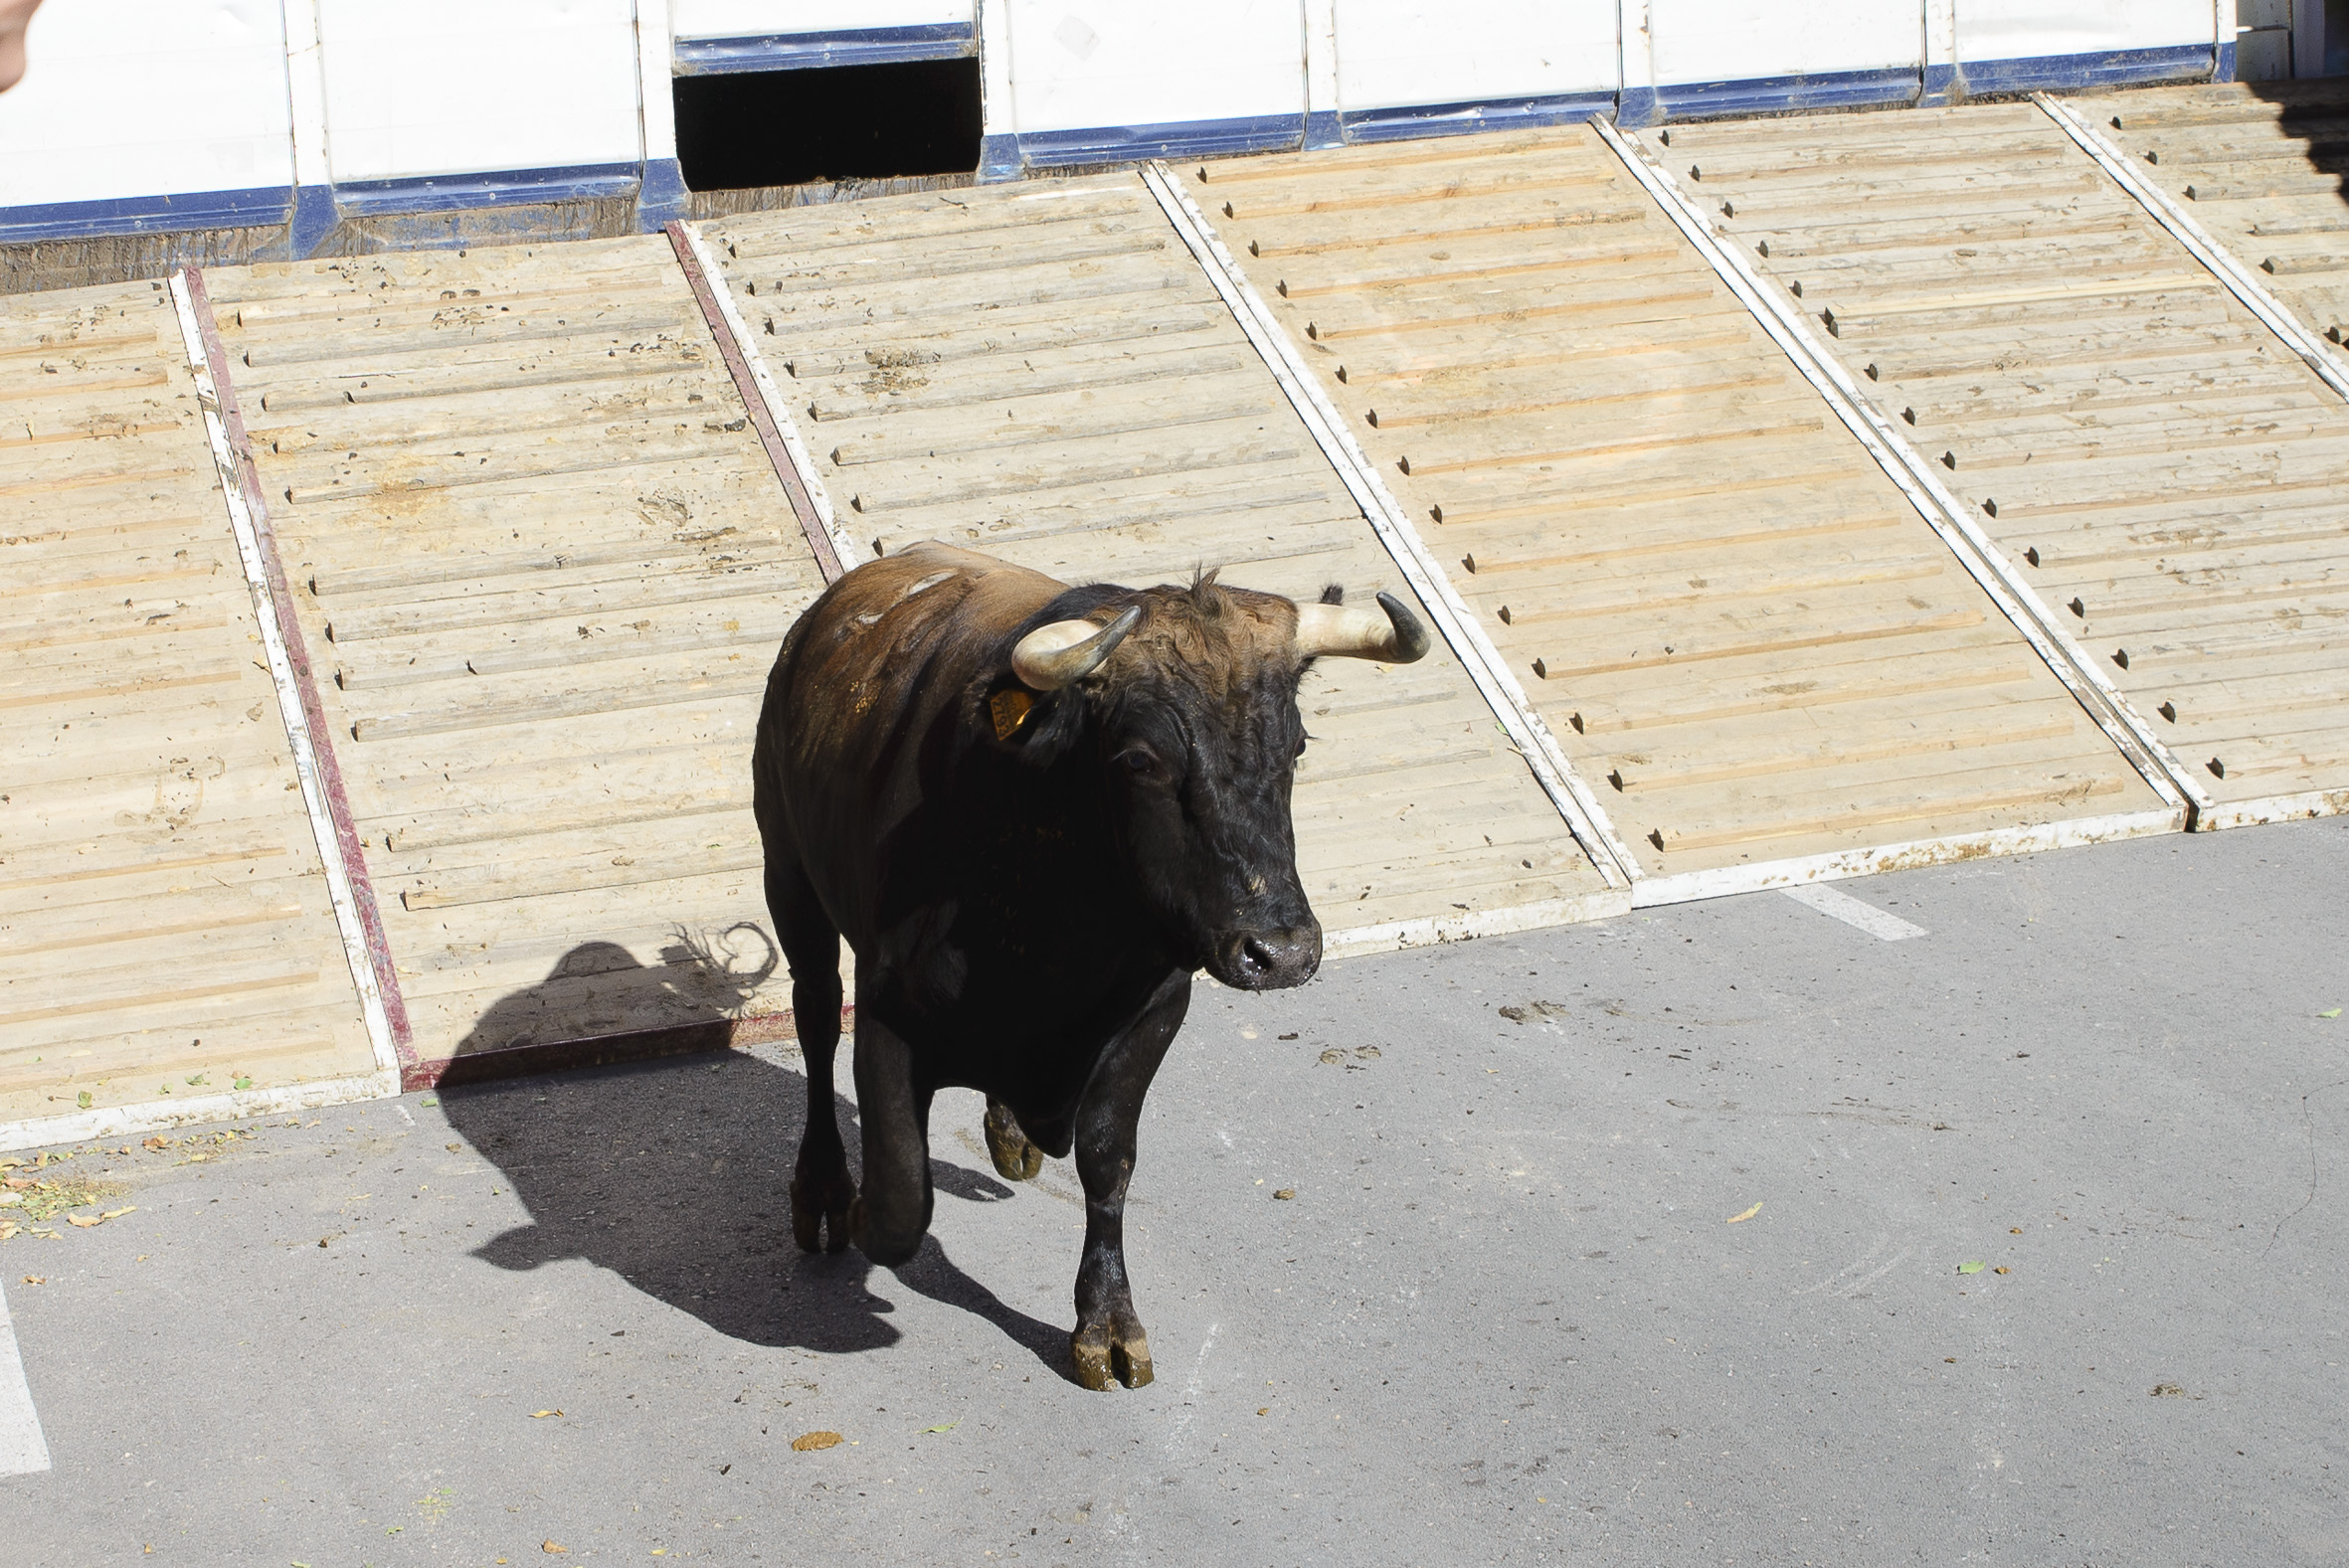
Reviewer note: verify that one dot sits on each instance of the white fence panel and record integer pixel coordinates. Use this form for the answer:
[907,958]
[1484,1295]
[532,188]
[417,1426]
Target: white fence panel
[449,87]
[1706,40]
[2036,29]
[1435,52]
[776,18]
[142,97]
[1083,64]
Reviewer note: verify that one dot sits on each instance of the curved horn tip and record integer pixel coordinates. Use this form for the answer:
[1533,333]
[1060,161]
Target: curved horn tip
[1411,641]
[1063,652]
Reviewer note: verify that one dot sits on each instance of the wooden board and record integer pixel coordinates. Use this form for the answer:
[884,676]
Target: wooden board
[2165,504]
[544,560]
[1716,597]
[1046,374]
[165,929]
[2264,173]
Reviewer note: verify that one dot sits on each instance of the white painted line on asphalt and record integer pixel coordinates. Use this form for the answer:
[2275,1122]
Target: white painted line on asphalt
[1190,1393]
[1853,912]
[23,1450]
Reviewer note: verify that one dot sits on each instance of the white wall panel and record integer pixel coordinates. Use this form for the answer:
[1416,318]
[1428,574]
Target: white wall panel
[140,97]
[1083,63]
[446,87]
[2030,29]
[1397,52]
[1753,40]
[767,18]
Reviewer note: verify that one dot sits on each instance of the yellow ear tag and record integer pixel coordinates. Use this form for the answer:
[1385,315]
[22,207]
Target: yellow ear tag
[1008,708]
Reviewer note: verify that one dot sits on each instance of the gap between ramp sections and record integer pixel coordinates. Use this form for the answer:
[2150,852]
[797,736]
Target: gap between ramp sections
[1909,469]
[1585,818]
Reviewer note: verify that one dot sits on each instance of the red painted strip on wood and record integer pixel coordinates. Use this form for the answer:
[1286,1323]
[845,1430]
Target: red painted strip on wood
[756,404]
[338,805]
[605,1050]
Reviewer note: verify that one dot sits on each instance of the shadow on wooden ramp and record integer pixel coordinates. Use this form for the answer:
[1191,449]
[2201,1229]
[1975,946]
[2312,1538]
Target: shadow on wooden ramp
[558,1024]
[675,1175]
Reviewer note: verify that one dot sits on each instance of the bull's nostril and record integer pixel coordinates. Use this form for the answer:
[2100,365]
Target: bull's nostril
[1255,955]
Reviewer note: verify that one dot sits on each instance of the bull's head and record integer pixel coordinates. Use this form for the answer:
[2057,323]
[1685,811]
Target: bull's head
[1185,701]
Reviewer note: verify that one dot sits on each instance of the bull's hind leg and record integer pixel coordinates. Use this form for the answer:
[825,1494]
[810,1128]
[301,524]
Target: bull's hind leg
[892,1214]
[1109,1341]
[1017,1159]
[822,1189]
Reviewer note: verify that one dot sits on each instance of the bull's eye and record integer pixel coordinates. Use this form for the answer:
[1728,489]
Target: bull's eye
[1301,739]
[1137,761]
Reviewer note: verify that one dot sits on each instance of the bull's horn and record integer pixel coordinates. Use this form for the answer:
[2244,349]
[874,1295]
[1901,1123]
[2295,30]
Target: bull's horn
[1395,637]
[1055,655]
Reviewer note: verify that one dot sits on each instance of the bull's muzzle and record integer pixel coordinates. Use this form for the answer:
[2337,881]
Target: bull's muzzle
[1267,960]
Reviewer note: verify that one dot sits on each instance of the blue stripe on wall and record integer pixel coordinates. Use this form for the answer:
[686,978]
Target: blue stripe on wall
[434,192]
[2071,73]
[256,207]
[1195,138]
[1771,94]
[1458,119]
[876,46]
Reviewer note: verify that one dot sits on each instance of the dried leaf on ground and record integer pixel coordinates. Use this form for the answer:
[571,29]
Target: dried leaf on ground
[1740,1219]
[1971,1266]
[541,1415]
[949,1427]
[1286,1194]
[2330,1012]
[810,1441]
[36,1279]
[81,1222]
[116,1214]
[550,1546]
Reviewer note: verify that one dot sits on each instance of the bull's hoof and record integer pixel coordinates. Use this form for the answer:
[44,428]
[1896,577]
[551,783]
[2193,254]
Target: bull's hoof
[885,1247]
[1102,1353]
[817,1207]
[1017,1159]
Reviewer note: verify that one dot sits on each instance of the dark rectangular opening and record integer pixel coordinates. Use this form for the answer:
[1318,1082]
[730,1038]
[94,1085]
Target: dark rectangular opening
[845,123]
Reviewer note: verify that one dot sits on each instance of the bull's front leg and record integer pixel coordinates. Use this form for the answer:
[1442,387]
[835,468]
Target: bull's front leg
[1109,1340]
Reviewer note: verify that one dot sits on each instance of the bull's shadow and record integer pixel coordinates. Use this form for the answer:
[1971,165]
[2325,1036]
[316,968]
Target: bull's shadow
[675,1174]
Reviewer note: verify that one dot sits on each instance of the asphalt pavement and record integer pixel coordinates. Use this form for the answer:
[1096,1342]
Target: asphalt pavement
[1990,1213]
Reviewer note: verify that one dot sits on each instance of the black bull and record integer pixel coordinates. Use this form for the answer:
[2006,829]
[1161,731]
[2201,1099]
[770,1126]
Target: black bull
[1034,812]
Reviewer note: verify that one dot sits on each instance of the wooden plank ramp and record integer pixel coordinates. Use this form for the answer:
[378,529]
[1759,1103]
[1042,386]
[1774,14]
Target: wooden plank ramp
[543,564]
[2160,466]
[168,946]
[1715,597]
[1046,374]
[2258,166]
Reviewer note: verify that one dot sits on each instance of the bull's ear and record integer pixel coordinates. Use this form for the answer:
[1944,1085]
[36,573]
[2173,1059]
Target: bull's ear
[1036,727]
